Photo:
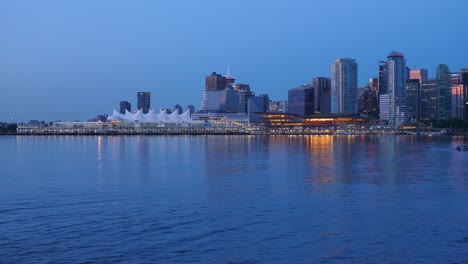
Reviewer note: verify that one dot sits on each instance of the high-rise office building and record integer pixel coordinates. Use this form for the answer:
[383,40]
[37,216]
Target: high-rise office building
[244,93]
[458,103]
[278,106]
[429,101]
[144,101]
[344,82]
[464,82]
[367,102]
[216,82]
[374,84]
[418,74]
[383,78]
[301,101]
[322,91]
[219,96]
[444,92]
[397,76]
[413,98]
[257,104]
[384,106]
[125,106]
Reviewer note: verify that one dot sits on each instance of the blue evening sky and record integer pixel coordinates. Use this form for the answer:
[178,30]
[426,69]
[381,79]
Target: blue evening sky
[71,60]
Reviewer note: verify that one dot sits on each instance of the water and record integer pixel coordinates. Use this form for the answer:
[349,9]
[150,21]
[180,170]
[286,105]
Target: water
[233,199]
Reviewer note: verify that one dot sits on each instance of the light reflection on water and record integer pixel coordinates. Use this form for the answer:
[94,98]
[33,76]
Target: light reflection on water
[353,199]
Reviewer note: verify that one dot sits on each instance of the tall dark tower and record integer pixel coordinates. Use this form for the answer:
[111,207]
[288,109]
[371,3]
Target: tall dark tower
[464,81]
[215,82]
[383,78]
[322,90]
[444,92]
[144,101]
[125,106]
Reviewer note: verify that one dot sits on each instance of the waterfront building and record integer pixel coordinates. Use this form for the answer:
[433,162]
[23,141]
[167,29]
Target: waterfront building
[219,94]
[429,101]
[300,100]
[220,100]
[368,103]
[384,105]
[458,103]
[464,82]
[397,76]
[322,94]
[344,83]
[257,104]
[125,106]
[144,101]
[278,106]
[244,93]
[444,92]
[413,98]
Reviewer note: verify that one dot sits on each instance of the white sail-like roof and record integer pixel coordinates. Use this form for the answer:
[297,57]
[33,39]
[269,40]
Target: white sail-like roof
[151,117]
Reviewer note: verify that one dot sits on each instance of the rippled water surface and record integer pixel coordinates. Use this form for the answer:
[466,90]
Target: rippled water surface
[233,199]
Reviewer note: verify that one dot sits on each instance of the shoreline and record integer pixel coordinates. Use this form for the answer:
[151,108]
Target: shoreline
[282,133]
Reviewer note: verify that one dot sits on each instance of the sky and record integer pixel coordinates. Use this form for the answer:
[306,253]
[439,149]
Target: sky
[72,60]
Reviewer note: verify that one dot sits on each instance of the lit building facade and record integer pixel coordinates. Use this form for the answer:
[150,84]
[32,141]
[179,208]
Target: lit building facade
[419,74]
[458,102]
[344,83]
[464,82]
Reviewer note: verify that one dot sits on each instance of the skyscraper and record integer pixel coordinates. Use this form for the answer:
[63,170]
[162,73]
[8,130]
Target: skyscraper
[397,76]
[464,82]
[300,100]
[322,90]
[444,92]
[419,74]
[344,82]
[413,97]
[244,93]
[144,101]
[429,101]
[257,104]
[374,84]
[219,96]
[125,106]
[216,82]
[383,78]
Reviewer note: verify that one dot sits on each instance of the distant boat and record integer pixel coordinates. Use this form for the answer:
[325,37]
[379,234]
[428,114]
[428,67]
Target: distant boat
[462,148]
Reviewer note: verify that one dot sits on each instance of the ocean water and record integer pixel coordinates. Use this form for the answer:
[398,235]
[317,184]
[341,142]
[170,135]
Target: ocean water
[233,199]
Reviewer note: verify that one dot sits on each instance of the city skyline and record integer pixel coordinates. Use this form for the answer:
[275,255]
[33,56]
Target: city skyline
[81,67]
